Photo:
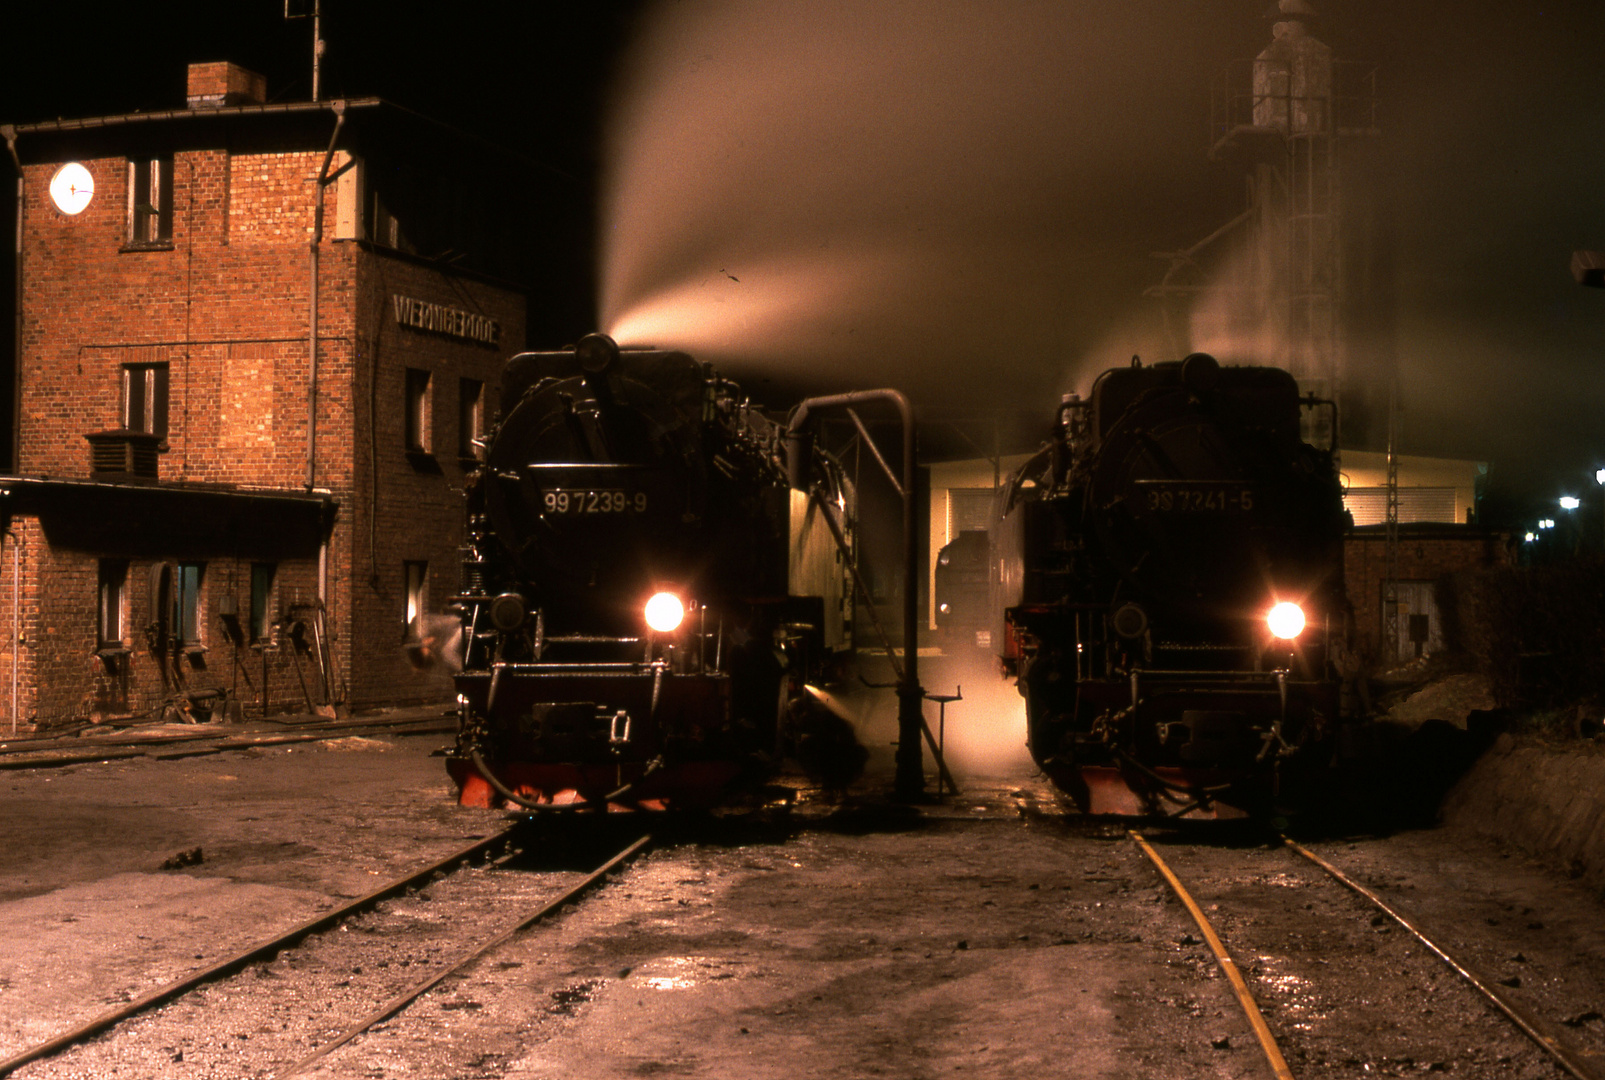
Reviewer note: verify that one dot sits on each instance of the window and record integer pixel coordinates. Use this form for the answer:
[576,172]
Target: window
[145,398]
[417,418]
[113,584]
[417,574]
[150,202]
[383,227]
[261,625]
[470,416]
[187,604]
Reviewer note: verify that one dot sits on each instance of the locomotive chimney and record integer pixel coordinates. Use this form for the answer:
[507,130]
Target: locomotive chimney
[598,355]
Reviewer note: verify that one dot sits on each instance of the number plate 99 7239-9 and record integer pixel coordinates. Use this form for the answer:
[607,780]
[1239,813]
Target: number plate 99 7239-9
[578,502]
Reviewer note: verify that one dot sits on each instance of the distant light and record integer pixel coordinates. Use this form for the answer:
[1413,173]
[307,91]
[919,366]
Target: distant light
[1570,502]
[1530,537]
[1599,476]
[1547,523]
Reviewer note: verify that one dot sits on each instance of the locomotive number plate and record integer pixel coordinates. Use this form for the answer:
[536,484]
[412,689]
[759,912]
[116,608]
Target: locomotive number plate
[583,502]
[1169,497]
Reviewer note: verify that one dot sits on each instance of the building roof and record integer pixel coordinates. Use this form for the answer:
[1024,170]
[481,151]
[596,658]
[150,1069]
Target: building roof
[134,519]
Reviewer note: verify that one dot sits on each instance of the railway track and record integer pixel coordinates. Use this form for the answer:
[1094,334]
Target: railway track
[280,1006]
[1291,980]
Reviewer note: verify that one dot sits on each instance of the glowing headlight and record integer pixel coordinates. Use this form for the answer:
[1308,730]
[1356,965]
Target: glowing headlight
[1286,620]
[664,612]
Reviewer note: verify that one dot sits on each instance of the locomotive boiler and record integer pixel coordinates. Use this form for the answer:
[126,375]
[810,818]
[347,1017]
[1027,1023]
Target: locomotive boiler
[1170,566]
[645,597]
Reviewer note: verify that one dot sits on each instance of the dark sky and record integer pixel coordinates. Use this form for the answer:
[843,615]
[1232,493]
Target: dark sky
[963,199]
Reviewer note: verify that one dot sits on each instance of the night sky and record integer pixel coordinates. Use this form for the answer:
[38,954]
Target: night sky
[963,200]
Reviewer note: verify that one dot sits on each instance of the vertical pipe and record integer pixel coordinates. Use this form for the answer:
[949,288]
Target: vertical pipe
[317,44]
[16,625]
[15,449]
[339,109]
[10,134]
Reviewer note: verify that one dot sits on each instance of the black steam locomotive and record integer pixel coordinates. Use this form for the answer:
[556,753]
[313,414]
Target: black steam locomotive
[1171,569]
[644,596]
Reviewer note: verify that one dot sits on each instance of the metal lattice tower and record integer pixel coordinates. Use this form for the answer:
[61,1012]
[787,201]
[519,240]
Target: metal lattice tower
[1282,116]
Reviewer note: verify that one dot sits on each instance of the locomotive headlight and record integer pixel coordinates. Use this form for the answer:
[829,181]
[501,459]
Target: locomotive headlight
[664,612]
[1286,620]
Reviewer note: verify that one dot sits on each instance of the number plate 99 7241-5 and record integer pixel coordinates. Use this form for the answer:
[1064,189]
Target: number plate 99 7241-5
[1171,497]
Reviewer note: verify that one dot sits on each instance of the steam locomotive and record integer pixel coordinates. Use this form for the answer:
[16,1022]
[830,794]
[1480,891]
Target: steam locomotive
[1171,576]
[645,597]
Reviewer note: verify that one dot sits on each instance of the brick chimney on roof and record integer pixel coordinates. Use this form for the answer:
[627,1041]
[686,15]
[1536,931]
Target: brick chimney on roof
[212,86]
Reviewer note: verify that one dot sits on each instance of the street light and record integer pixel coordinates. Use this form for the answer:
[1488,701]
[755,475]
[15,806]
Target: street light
[1570,502]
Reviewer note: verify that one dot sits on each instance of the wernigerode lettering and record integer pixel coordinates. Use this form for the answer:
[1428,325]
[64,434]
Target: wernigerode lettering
[422,315]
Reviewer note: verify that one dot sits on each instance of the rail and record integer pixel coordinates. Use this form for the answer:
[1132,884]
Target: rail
[240,960]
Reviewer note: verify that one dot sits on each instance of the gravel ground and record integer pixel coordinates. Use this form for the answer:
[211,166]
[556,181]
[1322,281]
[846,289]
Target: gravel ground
[989,935]
[1345,990]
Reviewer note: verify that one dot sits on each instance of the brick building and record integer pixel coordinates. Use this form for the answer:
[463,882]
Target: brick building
[1427,558]
[212,502]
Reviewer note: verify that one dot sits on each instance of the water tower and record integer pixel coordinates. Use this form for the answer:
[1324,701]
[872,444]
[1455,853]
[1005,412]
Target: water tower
[1267,286]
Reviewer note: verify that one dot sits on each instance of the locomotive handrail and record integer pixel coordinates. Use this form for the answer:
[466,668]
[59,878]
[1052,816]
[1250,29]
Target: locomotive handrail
[1208,675]
[572,667]
[591,639]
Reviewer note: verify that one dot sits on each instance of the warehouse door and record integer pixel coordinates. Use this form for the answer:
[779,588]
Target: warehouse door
[1417,629]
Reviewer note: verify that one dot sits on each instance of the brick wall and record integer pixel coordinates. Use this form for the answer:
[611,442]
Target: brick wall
[409,507]
[1421,558]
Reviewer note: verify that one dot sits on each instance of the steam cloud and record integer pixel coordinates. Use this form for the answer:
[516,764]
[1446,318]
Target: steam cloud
[962,201]
[831,195]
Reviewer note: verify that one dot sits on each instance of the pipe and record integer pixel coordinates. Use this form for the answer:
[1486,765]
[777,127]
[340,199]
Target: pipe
[910,782]
[339,109]
[16,624]
[10,133]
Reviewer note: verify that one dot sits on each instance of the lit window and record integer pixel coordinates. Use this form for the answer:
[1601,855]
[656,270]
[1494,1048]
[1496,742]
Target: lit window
[145,398]
[187,604]
[150,201]
[417,574]
[261,601]
[113,584]
[470,416]
[417,418]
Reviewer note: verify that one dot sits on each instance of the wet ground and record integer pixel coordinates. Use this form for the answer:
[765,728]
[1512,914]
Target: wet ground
[987,935]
